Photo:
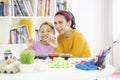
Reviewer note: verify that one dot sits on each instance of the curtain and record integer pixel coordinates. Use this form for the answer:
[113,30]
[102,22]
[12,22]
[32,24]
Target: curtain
[116,35]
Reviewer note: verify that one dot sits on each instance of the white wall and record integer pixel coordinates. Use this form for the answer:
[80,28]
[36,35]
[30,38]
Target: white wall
[93,20]
[4,26]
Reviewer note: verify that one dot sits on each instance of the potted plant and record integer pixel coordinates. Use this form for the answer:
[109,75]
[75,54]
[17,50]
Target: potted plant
[27,61]
[7,54]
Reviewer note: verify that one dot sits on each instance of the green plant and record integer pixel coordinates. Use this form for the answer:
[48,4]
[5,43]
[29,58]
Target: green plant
[27,57]
[8,51]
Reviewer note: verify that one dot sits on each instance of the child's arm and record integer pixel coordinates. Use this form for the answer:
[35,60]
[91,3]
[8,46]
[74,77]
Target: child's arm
[30,42]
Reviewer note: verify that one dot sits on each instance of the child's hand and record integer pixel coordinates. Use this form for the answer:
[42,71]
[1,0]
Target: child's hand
[52,41]
[52,37]
[30,42]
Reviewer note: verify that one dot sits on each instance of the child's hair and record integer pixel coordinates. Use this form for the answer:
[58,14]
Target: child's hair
[49,24]
[68,16]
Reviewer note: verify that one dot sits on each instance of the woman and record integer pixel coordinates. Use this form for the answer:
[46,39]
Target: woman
[69,39]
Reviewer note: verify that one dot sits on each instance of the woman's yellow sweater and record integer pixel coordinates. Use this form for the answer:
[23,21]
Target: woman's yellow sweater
[75,45]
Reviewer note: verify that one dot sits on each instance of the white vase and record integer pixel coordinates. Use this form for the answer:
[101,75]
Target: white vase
[26,68]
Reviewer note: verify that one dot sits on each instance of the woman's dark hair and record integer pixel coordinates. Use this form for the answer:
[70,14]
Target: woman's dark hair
[68,16]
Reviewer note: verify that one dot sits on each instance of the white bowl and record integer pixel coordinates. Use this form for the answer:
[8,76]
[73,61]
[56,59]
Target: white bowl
[41,65]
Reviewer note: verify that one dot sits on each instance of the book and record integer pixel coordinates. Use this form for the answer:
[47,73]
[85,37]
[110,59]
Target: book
[17,11]
[25,6]
[47,7]
[22,7]
[19,34]
[6,8]
[1,8]
[29,7]
[39,8]
[61,5]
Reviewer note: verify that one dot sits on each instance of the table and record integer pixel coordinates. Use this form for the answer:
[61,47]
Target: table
[60,74]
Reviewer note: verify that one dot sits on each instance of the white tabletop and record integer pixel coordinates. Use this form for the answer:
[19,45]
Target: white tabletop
[60,74]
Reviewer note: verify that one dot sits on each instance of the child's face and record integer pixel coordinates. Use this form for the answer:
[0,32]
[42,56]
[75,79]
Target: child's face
[45,32]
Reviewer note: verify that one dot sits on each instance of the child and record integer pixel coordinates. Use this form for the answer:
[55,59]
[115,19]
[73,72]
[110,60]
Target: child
[41,47]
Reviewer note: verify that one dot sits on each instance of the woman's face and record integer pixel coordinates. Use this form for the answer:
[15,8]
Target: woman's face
[61,24]
[45,32]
